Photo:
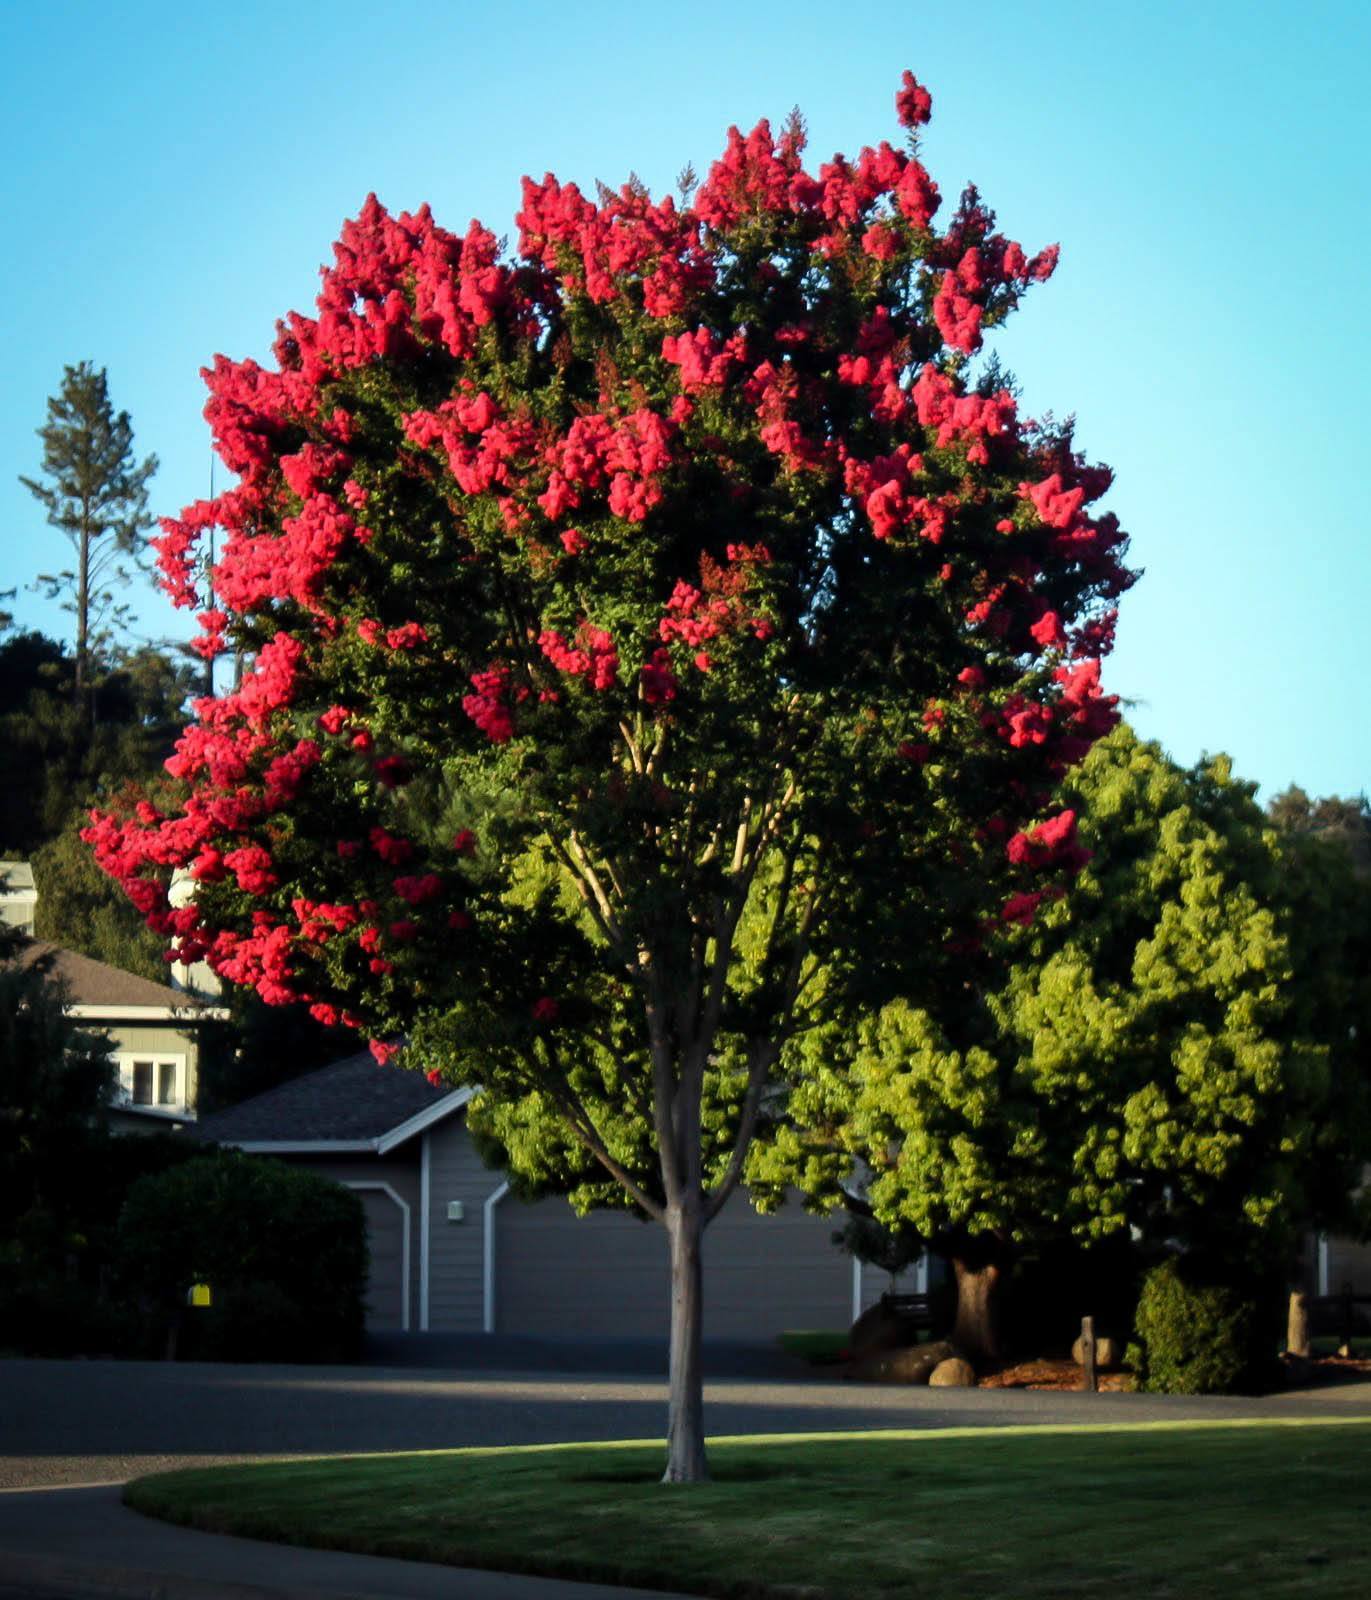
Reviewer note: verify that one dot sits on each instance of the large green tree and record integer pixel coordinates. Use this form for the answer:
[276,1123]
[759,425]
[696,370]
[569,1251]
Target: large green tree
[646,628]
[1179,1051]
[95,493]
[59,766]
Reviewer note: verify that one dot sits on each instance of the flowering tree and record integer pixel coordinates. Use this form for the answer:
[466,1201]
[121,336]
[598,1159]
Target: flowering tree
[644,625]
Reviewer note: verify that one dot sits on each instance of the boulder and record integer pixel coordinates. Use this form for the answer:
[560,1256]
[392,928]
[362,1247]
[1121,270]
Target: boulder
[912,1364]
[1108,1353]
[954,1373]
[874,1332]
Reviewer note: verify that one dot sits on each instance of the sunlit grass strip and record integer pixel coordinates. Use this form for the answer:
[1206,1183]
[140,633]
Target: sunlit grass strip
[1280,1508]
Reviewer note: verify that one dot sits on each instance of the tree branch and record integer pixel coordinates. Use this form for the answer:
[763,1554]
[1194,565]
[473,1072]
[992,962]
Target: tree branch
[584,1131]
[762,1057]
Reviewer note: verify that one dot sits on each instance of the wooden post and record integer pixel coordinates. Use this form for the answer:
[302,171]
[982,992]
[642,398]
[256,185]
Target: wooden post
[1089,1380]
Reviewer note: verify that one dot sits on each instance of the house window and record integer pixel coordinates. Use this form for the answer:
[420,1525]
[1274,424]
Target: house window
[155,1081]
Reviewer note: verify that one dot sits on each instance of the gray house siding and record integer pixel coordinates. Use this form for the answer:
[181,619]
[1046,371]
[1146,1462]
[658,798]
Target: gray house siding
[456,1257]
[1349,1263]
[608,1273]
[400,1173]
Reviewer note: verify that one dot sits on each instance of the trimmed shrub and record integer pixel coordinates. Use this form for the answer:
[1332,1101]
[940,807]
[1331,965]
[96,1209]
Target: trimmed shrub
[283,1251]
[1199,1336]
[59,1317]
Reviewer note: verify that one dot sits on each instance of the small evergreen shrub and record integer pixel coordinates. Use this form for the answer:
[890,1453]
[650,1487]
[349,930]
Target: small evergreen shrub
[283,1251]
[1198,1336]
[53,1316]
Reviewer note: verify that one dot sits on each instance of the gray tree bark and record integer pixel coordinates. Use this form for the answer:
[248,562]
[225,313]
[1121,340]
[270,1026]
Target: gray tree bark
[685,1459]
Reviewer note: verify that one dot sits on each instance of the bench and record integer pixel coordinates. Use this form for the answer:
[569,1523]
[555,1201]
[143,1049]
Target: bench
[912,1312]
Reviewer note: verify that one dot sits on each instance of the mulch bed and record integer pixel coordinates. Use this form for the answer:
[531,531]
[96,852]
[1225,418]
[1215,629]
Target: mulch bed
[1066,1375]
[1059,1375]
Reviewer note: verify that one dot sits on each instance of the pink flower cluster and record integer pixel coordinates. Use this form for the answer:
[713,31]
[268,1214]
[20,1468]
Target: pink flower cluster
[595,658]
[489,706]
[1050,844]
[629,453]
[705,360]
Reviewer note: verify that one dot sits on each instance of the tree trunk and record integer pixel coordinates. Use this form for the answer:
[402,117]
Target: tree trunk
[976,1332]
[1297,1324]
[685,1455]
[83,621]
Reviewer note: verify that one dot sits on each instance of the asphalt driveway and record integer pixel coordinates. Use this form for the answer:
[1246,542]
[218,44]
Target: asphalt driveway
[75,1422]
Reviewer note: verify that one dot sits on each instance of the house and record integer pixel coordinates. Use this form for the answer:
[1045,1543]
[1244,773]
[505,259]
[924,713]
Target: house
[154,1032]
[453,1250]
[18,897]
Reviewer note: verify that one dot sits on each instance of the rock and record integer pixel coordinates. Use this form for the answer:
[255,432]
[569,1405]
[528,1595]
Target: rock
[954,1373]
[874,1332]
[912,1364]
[1108,1353]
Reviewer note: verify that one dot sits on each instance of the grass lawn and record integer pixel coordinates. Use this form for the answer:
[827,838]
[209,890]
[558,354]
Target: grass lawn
[817,1346]
[1174,1510]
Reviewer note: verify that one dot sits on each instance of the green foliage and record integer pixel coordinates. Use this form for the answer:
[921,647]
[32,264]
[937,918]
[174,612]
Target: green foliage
[889,1250]
[80,909]
[54,1082]
[61,766]
[1178,1047]
[59,1316]
[283,1250]
[66,765]
[96,495]
[1200,1336]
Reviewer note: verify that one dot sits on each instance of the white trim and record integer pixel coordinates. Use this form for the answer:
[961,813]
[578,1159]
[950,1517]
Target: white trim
[381,1145]
[182,1014]
[126,1108]
[302,1147]
[1323,1264]
[424,1182]
[856,1288]
[127,1060]
[488,1257]
[421,1120]
[921,1274]
[385,1188]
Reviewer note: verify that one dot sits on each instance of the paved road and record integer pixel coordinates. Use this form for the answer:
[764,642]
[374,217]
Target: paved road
[64,1424]
[77,1422]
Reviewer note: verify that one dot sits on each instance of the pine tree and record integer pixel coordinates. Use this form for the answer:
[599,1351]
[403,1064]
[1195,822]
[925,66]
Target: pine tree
[97,495]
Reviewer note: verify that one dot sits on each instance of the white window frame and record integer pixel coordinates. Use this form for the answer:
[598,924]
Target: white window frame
[125,1059]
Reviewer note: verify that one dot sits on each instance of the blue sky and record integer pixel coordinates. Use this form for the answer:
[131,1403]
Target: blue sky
[177,175]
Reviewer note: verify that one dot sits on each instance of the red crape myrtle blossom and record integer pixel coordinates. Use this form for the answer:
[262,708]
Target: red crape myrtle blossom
[641,622]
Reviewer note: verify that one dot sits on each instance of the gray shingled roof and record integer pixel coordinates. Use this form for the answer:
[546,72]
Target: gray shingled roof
[94,983]
[352,1099]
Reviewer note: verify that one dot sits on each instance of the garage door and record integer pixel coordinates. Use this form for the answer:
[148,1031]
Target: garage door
[608,1274]
[386,1245]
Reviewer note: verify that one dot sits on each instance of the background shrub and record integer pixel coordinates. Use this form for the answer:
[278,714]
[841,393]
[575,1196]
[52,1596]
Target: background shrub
[1198,1335]
[283,1250]
[53,1316]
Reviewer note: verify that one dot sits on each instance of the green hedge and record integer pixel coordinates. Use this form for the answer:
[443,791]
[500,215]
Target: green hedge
[283,1251]
[1199,1335]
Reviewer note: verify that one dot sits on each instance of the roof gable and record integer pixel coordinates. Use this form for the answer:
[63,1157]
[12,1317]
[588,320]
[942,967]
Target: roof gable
[93,984]
[353,1101]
